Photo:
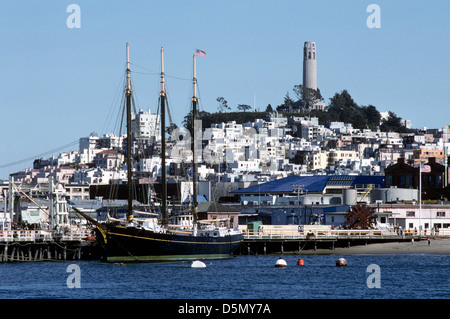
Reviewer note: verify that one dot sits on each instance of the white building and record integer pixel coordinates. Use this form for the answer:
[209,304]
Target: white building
[146,125]
[429,218]
[108,159]
[99,176]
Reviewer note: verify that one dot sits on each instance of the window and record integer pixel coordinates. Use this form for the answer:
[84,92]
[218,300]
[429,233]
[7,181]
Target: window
[388,180]
[408,181]
[438,180]
[440,214]
[410,214]
[402,182]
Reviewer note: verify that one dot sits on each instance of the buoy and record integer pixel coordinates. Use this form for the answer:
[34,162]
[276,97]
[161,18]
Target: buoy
[301,262]
[198,264]
[341,262]
[280,263]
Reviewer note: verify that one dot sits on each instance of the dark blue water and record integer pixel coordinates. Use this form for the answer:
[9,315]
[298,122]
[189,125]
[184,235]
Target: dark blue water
[242,277]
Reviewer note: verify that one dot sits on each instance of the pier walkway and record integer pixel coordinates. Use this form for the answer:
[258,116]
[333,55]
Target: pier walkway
[281,239]
[42,235]
[41,245]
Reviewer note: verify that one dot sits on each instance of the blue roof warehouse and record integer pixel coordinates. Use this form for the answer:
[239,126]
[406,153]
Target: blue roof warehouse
[313,199]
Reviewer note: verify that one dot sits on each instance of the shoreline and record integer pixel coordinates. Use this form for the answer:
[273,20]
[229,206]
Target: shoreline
[436,247]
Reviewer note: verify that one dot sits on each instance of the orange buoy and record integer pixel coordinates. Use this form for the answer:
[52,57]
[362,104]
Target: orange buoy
[301,262]
[280,263]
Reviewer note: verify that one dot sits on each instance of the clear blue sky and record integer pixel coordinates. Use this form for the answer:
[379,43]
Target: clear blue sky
[60,84]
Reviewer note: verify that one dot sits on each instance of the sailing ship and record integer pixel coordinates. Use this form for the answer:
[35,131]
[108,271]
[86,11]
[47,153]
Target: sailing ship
[156,239]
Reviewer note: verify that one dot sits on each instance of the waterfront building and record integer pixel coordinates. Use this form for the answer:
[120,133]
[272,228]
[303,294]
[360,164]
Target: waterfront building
[313,190]
[429,218]
[434,186]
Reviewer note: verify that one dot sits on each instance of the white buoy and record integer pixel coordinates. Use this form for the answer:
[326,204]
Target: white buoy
[341,262]
[198,264]
[280,263]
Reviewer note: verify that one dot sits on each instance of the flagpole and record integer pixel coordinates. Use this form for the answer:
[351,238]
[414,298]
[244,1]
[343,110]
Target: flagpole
[444,138]
[194,86]
[420,197]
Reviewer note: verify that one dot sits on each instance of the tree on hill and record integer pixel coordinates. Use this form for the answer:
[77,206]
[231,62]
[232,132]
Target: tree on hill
[214,118]
[201,115]
[307,96]
[223,104]
[288,105]
[373,116]
[244,107]
[393,124]
[269,109]
[344,109]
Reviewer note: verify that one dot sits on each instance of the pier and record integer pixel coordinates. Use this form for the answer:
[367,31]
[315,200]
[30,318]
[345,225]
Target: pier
[294,240]
[42,245]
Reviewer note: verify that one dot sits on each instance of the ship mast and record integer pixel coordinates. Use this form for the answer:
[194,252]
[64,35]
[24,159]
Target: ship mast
[162,95]
[194,159]
[128,93]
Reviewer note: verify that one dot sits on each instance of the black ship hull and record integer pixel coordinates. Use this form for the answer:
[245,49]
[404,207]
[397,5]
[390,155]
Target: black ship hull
[130,244]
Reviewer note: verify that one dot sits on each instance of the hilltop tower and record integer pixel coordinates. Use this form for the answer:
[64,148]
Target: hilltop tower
[309,65]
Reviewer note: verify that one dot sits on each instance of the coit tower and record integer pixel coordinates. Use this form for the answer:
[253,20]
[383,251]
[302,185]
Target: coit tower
[309,65]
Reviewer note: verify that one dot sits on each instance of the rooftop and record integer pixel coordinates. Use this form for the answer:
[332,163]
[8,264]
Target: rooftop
[311,184]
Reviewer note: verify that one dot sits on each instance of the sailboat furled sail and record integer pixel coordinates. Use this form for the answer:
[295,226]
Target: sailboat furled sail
[134,240]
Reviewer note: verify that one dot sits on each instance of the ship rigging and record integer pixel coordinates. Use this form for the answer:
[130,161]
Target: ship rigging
[151,239]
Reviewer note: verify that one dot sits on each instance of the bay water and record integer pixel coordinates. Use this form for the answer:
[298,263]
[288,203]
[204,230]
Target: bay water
[240,277]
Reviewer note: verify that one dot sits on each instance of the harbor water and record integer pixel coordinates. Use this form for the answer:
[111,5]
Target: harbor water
[411,276]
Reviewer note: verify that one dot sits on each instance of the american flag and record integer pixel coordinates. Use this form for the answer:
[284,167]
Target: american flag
[200,53]
[425,168]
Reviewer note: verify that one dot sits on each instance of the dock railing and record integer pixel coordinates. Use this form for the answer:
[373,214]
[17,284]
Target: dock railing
[332,234]
[42,235]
